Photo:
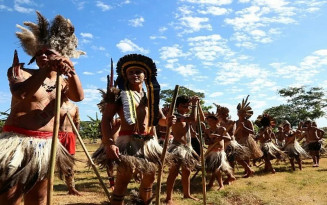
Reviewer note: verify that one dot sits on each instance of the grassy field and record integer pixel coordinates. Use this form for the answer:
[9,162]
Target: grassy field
[308,186]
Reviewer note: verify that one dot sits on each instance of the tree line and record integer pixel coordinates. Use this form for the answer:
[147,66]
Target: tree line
[302,103]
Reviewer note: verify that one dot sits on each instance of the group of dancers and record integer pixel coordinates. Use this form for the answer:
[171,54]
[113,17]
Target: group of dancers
[130,116]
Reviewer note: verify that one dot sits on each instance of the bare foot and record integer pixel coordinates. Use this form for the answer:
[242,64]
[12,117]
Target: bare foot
[209,186]
[191,197]
[249,174]
[169,202]
[229,180]
[73,191]
[220,188]
[273,171]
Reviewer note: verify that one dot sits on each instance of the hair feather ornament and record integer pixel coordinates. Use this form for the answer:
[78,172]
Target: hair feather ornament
[245,106]
[59,35]
[265,120]
[221,110]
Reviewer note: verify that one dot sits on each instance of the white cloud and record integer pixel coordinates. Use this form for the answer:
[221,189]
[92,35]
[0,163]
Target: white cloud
[88,73]
[212,2]
[214,10]
[80,4]
[264,16]
[157,37]
[137,22]
[92,95]
[103,6]
[127,45]
[216,94]
[306,70]
[98,48]
[186,70]
[209,48]
[4,7]
[87,35]
[171,52]
[162,29]
[20,6]
[232,72]
[193,24]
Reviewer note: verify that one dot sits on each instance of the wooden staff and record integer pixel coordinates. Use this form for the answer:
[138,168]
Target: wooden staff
[204,191]
[54,140]
[164,150]
[88,156]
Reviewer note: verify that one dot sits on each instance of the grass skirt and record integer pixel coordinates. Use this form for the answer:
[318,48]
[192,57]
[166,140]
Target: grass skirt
[270,150]
[236,151]
[139,153]
[295,150]
[217,160]
[183,155]
[252,145]
[25,160]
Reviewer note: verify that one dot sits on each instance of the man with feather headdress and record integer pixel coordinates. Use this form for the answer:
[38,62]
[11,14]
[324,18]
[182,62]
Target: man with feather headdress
[136,149]
[25,142]
[244,132]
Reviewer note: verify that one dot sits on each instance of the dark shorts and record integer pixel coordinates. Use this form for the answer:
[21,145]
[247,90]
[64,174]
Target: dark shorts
[314,146]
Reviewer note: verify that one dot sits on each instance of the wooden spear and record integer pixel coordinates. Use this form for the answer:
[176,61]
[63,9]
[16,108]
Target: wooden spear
[54,140]
[204,192]
[164,150]
[88,156]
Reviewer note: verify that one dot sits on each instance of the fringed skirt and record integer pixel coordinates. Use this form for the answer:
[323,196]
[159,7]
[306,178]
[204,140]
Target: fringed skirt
[322,150]
[252,145]
[270,150]
[139,153]
[100,158]
[280,144]
[236,151]
[295,150]
[25,160]
[183,155]
[217,160]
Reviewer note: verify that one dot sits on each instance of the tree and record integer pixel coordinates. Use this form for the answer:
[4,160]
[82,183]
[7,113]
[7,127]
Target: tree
[90,129]
[301,105]
[167,95]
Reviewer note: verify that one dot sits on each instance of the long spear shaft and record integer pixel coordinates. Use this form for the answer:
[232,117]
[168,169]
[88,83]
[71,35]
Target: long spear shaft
[204,191]
[54,140]
[88,156]
[164,150]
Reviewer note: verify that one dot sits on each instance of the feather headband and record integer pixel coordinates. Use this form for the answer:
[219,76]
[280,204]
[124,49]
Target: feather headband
[265,120]
[59,35]
[221,110]
[153,88]
[245,106]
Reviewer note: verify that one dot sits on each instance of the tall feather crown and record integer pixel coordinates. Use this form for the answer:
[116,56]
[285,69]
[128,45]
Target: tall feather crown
[245,106]
[59,35]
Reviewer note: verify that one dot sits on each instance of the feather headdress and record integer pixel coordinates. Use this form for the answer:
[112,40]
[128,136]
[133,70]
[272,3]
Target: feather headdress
[286,122]
[221,110]
[59,35]
[153,88]
[245,106]
[265,120]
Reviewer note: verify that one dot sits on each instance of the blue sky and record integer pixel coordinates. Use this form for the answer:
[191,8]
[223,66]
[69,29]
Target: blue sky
[227,49]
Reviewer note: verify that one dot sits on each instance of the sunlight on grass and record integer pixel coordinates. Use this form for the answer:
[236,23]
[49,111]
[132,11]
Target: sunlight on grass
[285,187]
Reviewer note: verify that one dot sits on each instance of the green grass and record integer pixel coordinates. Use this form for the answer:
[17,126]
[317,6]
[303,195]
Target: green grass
[285,187]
